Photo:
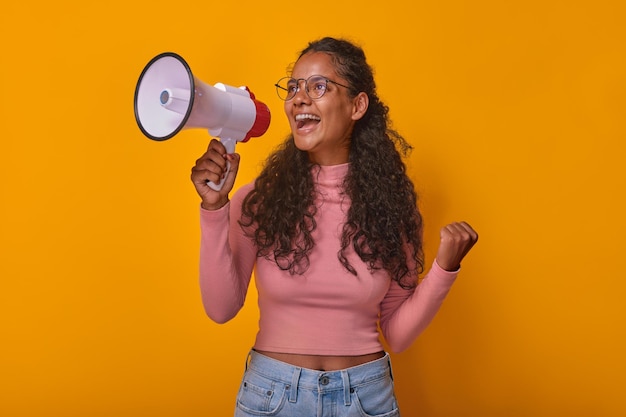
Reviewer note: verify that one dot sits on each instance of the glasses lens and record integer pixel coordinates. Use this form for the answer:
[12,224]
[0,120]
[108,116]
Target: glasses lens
[286,88]
[316,86]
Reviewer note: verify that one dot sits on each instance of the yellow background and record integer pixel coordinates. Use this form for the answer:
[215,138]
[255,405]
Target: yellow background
[516,111]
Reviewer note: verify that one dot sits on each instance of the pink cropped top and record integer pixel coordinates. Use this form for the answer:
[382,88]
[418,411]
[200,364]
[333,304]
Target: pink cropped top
[326,310]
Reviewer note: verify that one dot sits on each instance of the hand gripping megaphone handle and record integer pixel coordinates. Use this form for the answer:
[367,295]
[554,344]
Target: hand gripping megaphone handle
[229,144]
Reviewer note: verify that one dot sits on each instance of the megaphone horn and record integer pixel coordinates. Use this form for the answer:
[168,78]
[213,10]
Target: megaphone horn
[168,99]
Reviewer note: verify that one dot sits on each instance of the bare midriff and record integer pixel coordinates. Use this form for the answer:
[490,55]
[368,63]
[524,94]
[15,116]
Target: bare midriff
[323,362]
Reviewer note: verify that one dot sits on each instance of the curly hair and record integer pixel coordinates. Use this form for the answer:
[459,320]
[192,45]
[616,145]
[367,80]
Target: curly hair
[383,226]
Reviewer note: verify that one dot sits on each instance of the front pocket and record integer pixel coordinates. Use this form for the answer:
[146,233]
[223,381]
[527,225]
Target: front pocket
[377,399]
[261,396]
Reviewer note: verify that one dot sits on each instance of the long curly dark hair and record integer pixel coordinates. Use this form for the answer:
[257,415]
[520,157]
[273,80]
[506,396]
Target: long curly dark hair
[384,226]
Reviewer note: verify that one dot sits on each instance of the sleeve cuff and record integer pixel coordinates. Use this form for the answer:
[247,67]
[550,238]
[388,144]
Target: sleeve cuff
[211,214]
[441,273]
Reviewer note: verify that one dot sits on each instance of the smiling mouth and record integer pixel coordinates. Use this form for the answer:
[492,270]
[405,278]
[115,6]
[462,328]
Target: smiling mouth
[305,119]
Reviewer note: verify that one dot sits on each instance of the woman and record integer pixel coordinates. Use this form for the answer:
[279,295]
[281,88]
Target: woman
[332,226]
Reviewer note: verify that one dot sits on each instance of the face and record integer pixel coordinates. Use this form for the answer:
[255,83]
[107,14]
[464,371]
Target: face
[323,127]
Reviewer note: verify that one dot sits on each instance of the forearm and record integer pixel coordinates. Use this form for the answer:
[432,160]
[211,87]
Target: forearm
[225,269]
[405,320]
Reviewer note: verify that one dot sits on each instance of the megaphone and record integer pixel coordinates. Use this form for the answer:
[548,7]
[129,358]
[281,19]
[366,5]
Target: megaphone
[169,98]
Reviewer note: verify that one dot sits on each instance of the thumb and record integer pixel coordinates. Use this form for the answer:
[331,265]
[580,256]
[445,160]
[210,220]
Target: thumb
[233,159]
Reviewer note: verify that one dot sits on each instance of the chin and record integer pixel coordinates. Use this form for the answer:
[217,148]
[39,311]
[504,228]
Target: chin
[304,144]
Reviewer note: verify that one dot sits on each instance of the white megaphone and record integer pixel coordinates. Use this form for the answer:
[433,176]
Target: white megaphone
[168,99]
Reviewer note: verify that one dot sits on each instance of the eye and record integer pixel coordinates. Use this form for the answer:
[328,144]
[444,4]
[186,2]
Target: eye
[317,86]
[292,86]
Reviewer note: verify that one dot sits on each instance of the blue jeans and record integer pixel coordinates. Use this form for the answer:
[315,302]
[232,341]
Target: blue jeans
[274,388]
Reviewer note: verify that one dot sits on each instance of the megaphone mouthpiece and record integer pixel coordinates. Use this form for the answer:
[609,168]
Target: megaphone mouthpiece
[262,120]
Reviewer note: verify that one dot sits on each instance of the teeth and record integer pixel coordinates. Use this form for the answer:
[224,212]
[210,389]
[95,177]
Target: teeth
[307,116]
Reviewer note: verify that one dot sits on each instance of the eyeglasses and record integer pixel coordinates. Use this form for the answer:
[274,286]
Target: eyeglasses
[315,87]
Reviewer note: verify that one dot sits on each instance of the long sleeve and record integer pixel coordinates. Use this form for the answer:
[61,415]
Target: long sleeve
[406,313]
[325,310]
[227,259]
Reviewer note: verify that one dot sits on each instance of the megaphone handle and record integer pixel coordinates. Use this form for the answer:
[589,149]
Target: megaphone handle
[229,144]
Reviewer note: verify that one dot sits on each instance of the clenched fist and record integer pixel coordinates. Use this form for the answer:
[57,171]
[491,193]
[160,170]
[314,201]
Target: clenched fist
[213,166]
[456,241]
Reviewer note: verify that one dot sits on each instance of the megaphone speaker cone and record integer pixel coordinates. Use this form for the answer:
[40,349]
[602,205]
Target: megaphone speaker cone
[164,96]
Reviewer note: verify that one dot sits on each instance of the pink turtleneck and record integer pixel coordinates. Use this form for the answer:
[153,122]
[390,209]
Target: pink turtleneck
[326,310]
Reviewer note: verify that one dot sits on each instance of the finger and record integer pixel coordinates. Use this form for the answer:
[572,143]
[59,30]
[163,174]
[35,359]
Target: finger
[200,176]
[214,156]
[215,164]
[216,146]
[461,230]
[465,228]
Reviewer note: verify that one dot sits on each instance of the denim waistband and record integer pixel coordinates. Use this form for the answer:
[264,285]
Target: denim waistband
[320,381]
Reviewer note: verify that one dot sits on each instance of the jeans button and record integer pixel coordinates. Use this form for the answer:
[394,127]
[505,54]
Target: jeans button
[324,380]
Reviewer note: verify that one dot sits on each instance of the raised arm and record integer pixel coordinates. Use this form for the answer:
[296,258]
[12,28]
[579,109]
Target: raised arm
[226,256]
[406,313]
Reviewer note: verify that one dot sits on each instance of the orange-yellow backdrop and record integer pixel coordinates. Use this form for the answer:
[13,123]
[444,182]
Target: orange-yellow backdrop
[516,111]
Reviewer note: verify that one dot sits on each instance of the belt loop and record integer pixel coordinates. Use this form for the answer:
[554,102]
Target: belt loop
[389,365]
[346,387]
[295,380]
[248,359]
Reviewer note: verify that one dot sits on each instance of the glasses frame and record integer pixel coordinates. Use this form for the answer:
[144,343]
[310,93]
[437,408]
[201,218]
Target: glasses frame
[306,86]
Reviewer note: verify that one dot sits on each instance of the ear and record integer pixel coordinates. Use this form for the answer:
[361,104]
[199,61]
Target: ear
[360,104]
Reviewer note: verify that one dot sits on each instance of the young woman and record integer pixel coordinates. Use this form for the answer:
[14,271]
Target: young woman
[332,226]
